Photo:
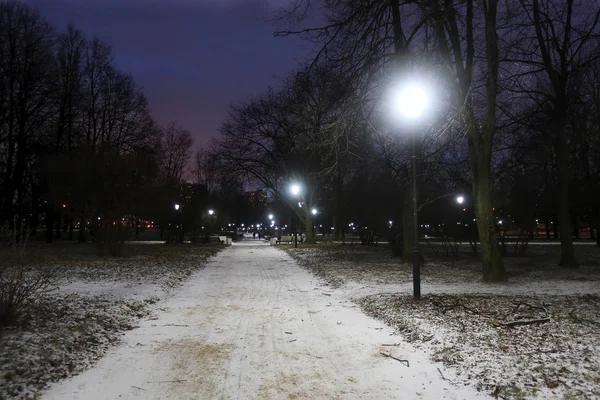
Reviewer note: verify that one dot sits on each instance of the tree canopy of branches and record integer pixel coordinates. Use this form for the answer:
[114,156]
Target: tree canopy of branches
[512,109]
[77,142]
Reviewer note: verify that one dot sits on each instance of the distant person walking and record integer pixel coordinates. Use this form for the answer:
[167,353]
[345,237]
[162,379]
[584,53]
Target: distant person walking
[254,235]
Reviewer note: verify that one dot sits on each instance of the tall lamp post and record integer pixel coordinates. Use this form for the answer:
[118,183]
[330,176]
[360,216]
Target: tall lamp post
[313,212]
[295,189]
[411,102]
[178,234]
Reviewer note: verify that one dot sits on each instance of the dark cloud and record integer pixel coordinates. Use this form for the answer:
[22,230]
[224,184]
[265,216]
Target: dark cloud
[193,58]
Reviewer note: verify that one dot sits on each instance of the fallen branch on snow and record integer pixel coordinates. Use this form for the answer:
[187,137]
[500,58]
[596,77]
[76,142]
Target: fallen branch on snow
[444,378]
[531,321]
[522,322]
[395,358]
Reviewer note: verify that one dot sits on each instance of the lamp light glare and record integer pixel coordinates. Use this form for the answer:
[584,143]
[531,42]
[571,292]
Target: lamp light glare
[412,101]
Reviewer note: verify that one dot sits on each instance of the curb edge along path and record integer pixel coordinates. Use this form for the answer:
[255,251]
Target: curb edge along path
[254,325]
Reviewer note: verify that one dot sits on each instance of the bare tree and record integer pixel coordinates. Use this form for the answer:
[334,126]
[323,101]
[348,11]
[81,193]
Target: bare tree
[25,71]
[565,36]
[175,153]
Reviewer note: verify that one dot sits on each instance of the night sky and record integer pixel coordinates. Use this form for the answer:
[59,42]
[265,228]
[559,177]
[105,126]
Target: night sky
[193,58]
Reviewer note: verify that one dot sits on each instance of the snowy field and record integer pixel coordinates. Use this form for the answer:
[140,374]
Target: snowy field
[95,301]
[536,336]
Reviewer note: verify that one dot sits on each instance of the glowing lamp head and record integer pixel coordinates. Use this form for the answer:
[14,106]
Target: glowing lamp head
[412,101]
[295,189]
[460,199]
[211,212]
[270,216]
[314,211]
[177,207]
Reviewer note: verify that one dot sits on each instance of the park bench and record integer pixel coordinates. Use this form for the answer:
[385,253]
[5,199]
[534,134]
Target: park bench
[285,239]
[215,239]
[352,239]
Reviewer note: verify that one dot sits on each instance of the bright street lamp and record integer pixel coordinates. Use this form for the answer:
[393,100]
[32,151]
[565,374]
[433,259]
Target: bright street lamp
[314,211]
[176,207]
[460,199]
[270,216]
[295,189]
[211,212]
[412,101]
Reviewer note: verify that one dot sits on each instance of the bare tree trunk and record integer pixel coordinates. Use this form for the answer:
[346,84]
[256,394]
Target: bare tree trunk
[71,223]
[567,251]
[493,266]
[81,236]
[308,223]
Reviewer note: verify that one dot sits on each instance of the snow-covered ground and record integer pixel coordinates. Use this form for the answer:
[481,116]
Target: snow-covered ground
[68,330]
[460,320]
[253,324]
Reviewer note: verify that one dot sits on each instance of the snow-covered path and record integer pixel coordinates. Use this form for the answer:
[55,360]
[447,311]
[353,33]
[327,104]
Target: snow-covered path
[255,325]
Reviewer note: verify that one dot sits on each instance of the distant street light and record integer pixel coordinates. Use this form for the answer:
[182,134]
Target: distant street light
[295,189]
[460,199]
[314,211]
[176,207]
[270,216]
[412,101]
[211,212]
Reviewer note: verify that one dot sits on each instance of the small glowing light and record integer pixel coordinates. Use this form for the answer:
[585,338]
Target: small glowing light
[211,212]
[460,199]
[295,189]
[176,206]
[314,211]
[391,222]
[270,216]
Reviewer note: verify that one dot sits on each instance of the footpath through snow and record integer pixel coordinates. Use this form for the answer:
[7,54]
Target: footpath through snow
[255,325]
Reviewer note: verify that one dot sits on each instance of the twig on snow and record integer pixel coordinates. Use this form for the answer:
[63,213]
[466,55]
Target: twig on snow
[395,358]
[542,320]
[176,325]
[173,381]
[137,387]
[391,344]
[522,322]
[444,378]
